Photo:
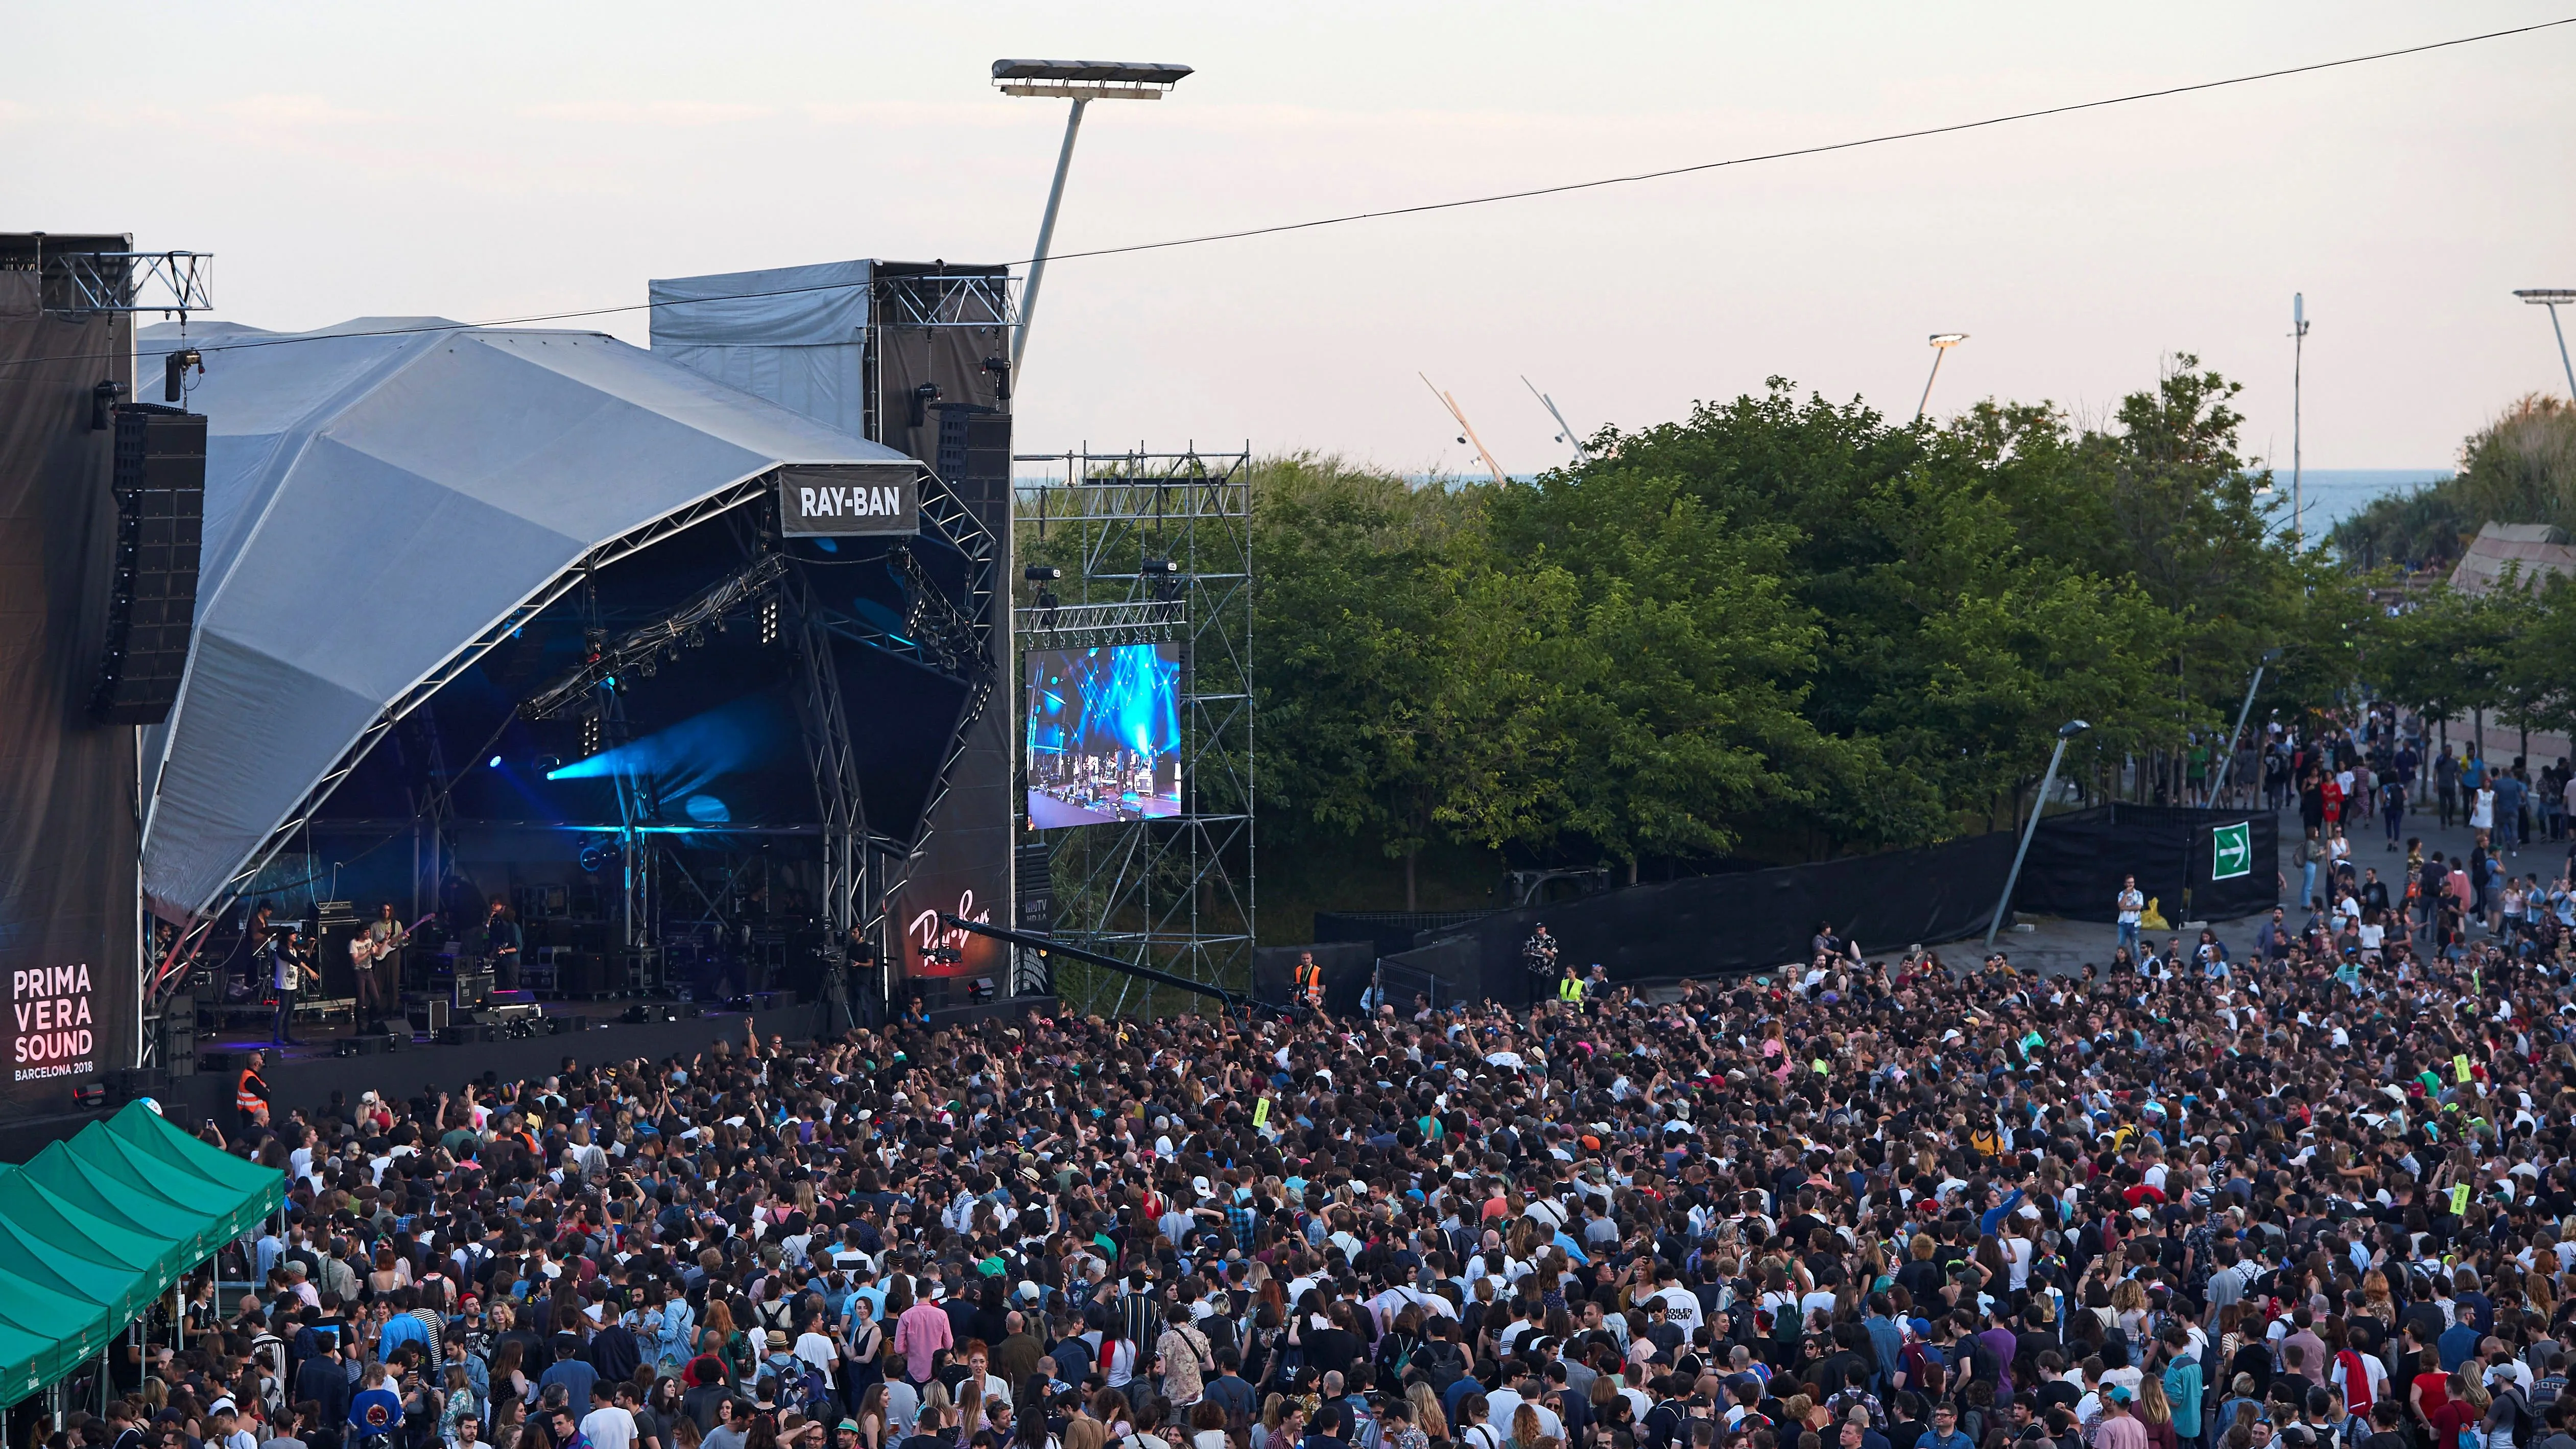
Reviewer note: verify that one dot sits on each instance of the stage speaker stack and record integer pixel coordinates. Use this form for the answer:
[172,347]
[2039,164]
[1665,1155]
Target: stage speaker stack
[160,487]
[335,925]
[179,1036]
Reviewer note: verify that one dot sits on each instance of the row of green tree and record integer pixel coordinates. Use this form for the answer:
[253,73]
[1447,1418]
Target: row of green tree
[2519,468]
[2508,655]
[1778,629]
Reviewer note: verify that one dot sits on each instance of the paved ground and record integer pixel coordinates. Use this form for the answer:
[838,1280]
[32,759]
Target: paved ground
[2058,947]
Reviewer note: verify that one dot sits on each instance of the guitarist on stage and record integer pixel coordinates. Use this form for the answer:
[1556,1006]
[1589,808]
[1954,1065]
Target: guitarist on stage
[371,954]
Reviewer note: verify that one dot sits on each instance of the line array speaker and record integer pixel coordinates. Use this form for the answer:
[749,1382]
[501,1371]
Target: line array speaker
[160,487]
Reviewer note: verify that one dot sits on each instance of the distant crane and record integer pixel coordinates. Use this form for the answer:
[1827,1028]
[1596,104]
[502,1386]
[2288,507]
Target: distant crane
[1466,430]
[1565,432]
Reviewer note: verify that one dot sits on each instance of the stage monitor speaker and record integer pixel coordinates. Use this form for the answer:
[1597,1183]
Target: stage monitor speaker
[132,1084]
[160,488]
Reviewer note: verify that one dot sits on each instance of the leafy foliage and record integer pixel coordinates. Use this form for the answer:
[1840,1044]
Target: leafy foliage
[1779,627]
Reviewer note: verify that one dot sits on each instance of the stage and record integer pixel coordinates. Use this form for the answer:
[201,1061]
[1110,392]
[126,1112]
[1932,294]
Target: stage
[307,1076]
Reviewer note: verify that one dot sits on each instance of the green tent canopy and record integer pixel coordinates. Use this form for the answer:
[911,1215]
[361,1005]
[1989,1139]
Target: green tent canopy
[94,1230]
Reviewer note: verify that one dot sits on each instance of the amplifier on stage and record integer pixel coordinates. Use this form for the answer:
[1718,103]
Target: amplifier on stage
[472,987]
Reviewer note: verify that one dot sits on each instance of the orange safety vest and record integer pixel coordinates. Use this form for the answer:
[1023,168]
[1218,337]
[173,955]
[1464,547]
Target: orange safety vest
[244,1097]
[1310,984]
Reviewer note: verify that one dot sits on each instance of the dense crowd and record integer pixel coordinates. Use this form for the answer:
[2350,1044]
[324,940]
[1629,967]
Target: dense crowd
[2187,1203]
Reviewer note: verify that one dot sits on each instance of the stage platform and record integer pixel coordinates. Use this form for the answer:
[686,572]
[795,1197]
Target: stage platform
[306,1076]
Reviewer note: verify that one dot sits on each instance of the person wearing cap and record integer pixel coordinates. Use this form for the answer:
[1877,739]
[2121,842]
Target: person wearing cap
[2119,1428]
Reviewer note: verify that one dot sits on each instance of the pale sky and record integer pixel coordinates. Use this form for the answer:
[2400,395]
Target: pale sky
[483,161]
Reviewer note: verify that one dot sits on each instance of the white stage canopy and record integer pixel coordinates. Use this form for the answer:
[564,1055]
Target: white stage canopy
[377,506]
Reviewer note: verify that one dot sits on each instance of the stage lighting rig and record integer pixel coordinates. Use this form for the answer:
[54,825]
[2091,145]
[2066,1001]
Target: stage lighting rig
[641,650]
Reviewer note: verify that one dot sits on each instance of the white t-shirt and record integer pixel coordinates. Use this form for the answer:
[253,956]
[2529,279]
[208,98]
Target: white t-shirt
[609,1427]
[820,1352]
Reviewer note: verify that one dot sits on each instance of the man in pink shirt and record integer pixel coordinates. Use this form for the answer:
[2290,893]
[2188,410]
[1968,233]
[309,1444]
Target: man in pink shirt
[923,1331]
[2120,1429]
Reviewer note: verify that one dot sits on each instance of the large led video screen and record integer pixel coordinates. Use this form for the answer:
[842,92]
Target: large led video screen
[1104,735]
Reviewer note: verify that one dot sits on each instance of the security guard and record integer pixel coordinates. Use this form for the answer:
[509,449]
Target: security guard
[1569,990]
[1309,979]
[250,1093]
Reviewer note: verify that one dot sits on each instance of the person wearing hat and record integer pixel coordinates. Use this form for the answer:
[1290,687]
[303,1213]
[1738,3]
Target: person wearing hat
[2119,1428]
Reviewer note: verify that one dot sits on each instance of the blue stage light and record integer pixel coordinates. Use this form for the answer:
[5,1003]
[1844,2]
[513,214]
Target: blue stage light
[495,762]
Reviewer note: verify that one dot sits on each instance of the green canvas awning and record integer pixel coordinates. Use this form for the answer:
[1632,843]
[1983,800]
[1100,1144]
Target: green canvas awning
[93,1230]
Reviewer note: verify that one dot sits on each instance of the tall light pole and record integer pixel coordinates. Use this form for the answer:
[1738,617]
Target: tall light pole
[1081,82]
[1942,342]
[2065,732]
[2550,297]
[2298,359]
[2238,733]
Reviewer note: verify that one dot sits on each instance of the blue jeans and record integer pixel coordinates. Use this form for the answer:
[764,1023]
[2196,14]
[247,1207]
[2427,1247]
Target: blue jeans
[283,1031]
[2307,882]
[2129,936]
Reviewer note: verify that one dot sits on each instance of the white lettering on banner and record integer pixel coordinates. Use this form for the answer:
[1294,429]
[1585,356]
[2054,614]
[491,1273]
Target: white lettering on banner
[51,1006]
[806,496]
[929,934]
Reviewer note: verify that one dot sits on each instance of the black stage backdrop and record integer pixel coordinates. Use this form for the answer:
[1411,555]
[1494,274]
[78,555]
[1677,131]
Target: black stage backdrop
[1756,920]
[68,911]
[2076,864]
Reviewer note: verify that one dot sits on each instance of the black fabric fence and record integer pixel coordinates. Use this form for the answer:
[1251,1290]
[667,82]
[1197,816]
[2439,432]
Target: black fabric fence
[1764,920]
[2076,864]
[1757,920]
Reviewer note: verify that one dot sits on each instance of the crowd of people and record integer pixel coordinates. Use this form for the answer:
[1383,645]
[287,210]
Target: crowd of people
[2312,1196]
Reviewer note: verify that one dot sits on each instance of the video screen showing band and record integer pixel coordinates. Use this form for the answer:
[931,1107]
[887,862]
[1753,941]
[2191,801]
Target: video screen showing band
[1104,735]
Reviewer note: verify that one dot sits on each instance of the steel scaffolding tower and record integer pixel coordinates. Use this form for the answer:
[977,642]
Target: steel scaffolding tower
[1173,893]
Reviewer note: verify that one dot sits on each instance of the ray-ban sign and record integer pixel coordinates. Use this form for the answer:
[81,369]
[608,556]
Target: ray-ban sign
[837,501]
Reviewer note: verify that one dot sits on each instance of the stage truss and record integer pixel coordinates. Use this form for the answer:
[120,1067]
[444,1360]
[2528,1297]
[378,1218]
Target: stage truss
[1175,894]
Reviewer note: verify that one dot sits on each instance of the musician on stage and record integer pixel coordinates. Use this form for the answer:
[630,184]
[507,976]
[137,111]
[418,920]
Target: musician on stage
[501,942]
[287,970]
[372,958]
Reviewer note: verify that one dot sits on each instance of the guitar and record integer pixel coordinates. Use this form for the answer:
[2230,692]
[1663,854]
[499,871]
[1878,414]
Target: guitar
[366,951]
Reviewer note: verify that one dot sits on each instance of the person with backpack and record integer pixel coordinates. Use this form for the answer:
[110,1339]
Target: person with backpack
[2509,1421]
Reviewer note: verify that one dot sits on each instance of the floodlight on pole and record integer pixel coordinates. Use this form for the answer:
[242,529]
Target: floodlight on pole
[2065,732]
[2551,298]
[1942,342]
[2298,363]
[2227,756]
[1081,82]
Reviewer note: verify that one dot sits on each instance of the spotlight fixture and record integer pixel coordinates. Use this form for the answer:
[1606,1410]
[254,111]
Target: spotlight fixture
[769,621]
[590,734]
[102,398]
[922,397]
[1161,568]
[1042,573]
[494,762]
